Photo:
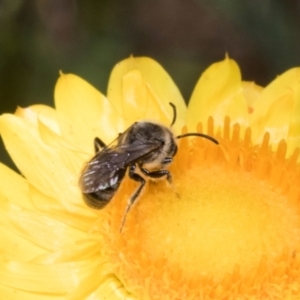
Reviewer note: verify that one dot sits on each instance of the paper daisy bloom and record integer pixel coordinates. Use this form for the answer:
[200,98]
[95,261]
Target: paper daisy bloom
[228,227]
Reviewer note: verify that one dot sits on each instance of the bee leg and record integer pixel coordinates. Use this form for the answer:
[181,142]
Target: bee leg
[142,181]
[158,174]
[99,145]
[168,160]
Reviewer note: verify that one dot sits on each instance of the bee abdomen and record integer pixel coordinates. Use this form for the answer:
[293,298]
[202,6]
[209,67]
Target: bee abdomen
[105,192]
[99,199]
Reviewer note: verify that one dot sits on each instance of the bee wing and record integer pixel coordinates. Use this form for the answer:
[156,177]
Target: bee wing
[104,170]
[109,166]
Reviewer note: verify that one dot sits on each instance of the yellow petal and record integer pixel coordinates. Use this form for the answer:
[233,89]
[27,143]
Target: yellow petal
[84,113]
[141,89]
[45,118]
[293,139]
[54,171]
[9,293]
[273,109]
[14,246]
[38,228]
[82,249]
[112,290]
[251,92]
[44,113]
[218,93]
[52,280]
[101,284]
[14,187]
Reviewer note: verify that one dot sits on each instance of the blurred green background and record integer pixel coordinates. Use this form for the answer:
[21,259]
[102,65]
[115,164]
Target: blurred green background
[39,38]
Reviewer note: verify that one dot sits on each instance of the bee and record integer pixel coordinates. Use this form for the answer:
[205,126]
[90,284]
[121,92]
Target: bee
[145,149]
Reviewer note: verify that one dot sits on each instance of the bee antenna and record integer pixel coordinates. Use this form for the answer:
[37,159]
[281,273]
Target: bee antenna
[198,134]
[189,134]
[174,113]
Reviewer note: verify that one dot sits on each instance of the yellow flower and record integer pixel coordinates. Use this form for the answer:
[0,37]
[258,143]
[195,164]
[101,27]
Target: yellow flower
[227,228]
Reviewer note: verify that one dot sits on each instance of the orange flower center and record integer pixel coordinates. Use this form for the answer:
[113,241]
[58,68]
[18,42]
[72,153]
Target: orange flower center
[229,225]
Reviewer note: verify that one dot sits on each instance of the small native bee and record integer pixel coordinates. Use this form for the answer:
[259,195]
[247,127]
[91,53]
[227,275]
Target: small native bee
[145,148]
